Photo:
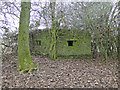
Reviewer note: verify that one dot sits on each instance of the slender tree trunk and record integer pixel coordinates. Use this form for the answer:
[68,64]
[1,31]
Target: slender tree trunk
[119,32]
[119,44]
[24,58]
[53,33]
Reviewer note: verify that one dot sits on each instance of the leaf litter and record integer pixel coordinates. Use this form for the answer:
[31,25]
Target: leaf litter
[68,73]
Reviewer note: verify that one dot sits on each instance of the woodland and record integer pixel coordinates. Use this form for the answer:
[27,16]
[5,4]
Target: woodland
[60,44]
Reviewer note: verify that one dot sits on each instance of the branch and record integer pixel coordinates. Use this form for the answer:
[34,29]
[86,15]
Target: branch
[13,14]
[15,6]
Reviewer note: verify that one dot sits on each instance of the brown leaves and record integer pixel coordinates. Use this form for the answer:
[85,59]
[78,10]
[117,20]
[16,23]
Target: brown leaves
[62,73]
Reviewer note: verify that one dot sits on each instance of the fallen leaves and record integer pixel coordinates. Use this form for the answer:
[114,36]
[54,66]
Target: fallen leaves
[62,73]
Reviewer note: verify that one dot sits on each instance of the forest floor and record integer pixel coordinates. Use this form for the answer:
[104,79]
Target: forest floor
[61,74]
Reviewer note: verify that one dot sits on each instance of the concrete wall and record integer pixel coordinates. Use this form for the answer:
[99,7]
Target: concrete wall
[81,43]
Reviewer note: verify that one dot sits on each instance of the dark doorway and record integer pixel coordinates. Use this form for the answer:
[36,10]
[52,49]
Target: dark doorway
[70,43]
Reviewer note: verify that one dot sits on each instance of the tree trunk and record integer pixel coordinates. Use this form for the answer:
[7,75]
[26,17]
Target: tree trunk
[119,32]
[25,62]
[53,33]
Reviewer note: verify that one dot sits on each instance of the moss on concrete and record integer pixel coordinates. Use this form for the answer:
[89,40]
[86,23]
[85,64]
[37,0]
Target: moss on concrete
[81,43]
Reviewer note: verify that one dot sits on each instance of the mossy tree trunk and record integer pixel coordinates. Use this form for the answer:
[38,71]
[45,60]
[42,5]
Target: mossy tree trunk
[25,62]
[53,32]
[119,32]
[119,42]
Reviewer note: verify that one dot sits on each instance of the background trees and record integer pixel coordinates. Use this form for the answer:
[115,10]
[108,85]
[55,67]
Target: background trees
[99,18]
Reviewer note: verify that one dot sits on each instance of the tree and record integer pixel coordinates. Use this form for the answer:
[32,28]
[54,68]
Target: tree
[119,31]
[24,58]
[53,33]
[56,19]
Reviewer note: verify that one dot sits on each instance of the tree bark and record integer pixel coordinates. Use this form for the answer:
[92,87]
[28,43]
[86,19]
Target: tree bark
[119,31]
[53,33]
[25,62]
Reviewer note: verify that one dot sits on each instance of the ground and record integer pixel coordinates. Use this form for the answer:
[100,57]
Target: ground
[61,73]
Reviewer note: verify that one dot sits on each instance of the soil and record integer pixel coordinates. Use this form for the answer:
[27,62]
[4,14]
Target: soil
[67,73]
